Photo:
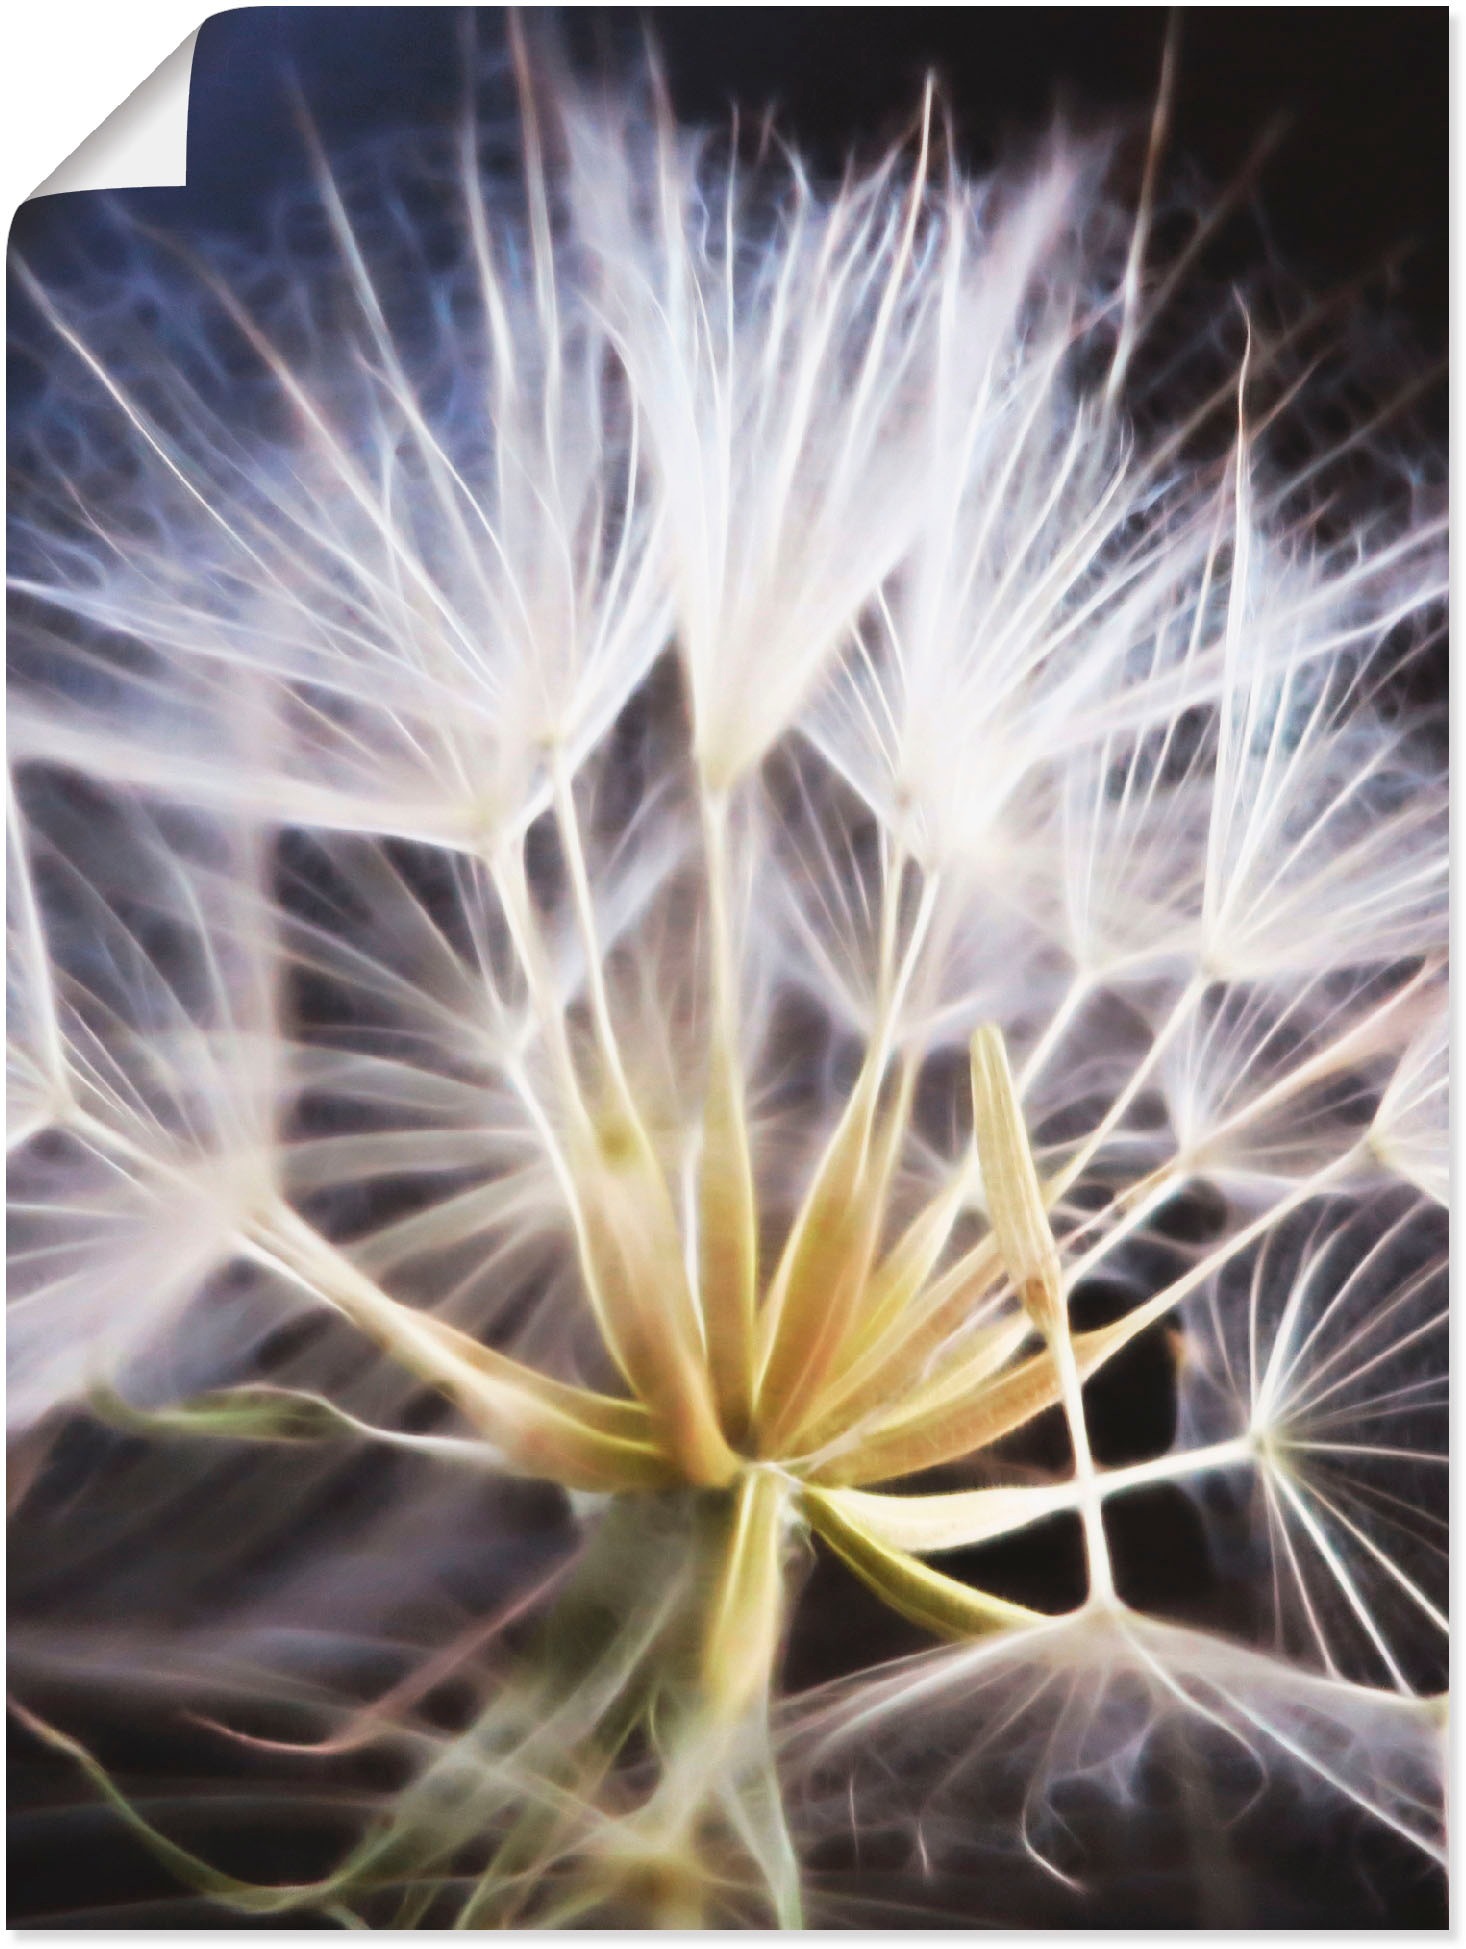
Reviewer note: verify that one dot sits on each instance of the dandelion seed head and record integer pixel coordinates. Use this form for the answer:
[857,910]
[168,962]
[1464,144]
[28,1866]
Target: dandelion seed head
[664,816]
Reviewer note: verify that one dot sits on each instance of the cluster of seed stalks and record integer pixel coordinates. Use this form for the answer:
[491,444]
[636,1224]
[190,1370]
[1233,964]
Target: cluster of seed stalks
[976,720]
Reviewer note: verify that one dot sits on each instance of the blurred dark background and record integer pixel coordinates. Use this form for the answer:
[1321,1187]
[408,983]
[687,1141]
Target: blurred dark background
[1354,189]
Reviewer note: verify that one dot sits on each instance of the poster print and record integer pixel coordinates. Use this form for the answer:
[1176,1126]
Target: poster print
[727,1018]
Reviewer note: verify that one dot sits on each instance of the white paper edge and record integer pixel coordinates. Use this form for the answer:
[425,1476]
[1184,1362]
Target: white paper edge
[143,143]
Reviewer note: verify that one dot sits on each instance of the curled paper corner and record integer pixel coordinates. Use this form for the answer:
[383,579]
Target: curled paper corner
[143,143]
